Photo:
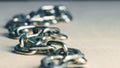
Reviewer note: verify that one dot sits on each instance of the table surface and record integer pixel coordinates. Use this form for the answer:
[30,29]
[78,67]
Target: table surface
[95,31]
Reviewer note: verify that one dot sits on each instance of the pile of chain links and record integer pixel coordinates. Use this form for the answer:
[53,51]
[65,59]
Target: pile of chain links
[45,16]
[41,39]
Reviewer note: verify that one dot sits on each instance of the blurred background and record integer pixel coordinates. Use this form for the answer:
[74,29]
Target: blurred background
[95,30]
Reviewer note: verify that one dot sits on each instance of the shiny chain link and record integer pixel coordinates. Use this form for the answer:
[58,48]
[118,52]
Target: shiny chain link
[76,57]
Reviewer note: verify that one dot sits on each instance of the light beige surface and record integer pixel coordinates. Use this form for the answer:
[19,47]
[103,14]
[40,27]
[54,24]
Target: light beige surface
[95,31]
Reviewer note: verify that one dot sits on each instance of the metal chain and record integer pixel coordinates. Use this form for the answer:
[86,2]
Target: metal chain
[63,61]
[40,40]
[36,38]
[45,16]
[38,43]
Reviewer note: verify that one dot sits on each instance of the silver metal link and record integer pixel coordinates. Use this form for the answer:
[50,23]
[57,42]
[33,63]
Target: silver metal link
[64,56]
[58,43]
[63,61]
[49,62]
[23,28]
[73,54]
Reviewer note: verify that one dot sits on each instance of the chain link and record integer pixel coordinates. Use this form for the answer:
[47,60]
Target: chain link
[76,57]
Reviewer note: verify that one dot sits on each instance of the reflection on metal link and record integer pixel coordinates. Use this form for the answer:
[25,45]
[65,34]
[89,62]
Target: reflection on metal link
[20,29]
